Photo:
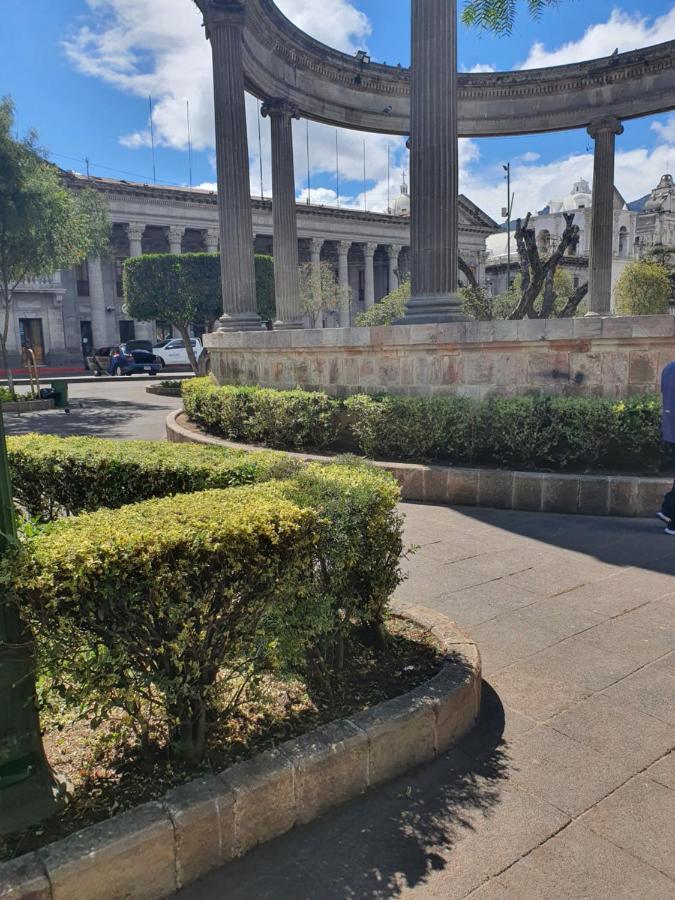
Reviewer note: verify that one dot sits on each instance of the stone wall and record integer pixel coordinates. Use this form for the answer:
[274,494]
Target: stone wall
[590,356]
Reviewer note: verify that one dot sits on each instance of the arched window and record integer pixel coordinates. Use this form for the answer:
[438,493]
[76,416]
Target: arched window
[623,241]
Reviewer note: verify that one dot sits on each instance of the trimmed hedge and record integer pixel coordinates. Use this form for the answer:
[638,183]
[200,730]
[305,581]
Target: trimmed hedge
[54,475]
[149,606]
[290,420]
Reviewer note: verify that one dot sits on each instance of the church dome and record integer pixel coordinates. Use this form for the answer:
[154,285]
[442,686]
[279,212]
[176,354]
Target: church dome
[401,204]
[579,198]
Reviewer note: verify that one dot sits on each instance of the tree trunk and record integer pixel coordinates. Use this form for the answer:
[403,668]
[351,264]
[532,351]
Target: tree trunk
[573,303]
[467,273]
[185,334]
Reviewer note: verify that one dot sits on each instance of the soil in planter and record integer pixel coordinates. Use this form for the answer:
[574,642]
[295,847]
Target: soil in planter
[110,775]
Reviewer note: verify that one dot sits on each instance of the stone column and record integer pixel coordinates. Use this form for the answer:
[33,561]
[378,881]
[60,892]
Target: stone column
[224,20]
[343,281]
[315,247]
[393,251]
[146,331]
[99,321]
[434,171]
[603,132]
[369,280]
[211,240]
[286,281]
[175,233]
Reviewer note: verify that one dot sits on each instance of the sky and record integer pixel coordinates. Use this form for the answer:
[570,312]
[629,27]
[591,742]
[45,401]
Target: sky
[81,72]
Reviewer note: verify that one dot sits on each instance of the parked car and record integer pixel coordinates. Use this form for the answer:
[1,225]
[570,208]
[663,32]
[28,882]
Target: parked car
[131,358]
[174,353]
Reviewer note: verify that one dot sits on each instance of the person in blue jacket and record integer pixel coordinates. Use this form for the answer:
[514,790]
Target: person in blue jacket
[667,513]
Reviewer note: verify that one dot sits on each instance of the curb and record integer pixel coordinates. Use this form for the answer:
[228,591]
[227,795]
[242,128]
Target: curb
[22,406]
[157,848]
[589,495]
[159,391]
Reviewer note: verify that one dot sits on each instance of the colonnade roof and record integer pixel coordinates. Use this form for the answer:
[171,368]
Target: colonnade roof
[325,85]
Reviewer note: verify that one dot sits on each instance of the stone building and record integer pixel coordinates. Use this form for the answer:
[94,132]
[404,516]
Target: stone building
[370,250]
[637,227]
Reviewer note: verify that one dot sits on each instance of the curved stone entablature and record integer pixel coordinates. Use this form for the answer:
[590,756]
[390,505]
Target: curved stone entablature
[280,60]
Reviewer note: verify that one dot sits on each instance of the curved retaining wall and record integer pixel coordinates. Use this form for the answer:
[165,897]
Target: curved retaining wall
[593,495]
[157,848]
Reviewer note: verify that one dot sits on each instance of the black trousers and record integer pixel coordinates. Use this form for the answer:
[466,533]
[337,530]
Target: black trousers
[668,505]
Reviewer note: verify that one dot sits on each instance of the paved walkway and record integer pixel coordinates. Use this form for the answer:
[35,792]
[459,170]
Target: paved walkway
[566,789]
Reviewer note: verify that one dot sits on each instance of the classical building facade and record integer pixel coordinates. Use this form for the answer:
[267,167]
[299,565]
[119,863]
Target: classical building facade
[634,233]
[369,251]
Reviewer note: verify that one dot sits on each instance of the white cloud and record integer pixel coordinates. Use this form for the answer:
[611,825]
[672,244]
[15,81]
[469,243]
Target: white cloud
[482,67]
[337,23]
[622,30]
[665,130]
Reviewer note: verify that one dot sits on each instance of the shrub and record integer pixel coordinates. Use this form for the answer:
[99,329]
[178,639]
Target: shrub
[149,607]
[387,310]
[643,289]
[293,420]
[53,475]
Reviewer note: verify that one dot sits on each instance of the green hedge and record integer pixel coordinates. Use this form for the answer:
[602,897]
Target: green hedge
[523,432]
[290,420]
[54,475]
[149,606]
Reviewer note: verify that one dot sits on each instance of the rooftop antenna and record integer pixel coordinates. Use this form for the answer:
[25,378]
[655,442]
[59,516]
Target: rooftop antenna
[309,179]
[86,162]
[388,177]
[365,190]
[152,143]
[262,189]
[337,169]
[189,136]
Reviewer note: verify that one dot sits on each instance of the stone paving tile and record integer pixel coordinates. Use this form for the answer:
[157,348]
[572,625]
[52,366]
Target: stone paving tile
[657,613]
[617,730]
[663,771]
[480,603]
[566,774]
[642,643]
[639,817]
[604,598]
[556,614]
[533,694]
[650,690]
[559,578]
[508,638]
[580,865]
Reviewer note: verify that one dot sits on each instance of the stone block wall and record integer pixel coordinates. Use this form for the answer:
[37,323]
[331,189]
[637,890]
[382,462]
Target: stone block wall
[591,356]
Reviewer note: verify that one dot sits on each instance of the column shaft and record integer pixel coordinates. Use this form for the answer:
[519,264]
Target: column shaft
[175,235]
[602,224]
[145,331]
[393,251]
[434,170]
[99,321]
[286,281]
[224,21]
[369,279]
[343,281]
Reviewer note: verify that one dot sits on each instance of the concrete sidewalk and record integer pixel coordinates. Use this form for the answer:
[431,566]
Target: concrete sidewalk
[567,787]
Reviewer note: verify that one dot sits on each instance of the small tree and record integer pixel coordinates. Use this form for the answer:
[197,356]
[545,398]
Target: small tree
[499,15]
[643,289]
[320,291]
[44,226]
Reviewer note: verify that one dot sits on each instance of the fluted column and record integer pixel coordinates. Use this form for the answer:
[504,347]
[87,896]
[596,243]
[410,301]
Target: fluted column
[99,322]
[343,281]
[146,331]
[369,278]
[286,281]
[603,132]
[434,171]
[315,247]
[224,21]
[175,234]
[211,240]
[393,251]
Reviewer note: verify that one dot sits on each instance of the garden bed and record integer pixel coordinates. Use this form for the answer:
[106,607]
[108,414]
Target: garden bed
[107,770]
[165,388]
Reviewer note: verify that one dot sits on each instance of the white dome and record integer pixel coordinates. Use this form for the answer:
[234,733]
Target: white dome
[580,197]
[401,204]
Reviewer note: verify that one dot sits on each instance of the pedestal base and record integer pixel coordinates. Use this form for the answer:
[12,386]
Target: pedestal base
[239,322]
[433,308]
[297,325]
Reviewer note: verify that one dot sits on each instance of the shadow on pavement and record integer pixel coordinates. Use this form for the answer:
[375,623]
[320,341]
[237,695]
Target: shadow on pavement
[87,417]
[386,842]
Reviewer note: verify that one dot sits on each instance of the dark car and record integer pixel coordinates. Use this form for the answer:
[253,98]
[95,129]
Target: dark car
[131,358]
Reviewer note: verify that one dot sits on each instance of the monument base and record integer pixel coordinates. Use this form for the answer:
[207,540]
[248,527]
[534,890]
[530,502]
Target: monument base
[433,308]
[245,321]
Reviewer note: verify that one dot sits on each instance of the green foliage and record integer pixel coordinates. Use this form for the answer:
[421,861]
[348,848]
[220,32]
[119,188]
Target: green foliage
[52,475]
[320,290]
[387,310]
[6,396]
[165,602]
[264,287]
[522,432]
[500,15]
[642,289]
[293,420]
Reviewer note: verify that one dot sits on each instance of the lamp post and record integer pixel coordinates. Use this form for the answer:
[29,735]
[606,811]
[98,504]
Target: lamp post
[507,211]
[29,791]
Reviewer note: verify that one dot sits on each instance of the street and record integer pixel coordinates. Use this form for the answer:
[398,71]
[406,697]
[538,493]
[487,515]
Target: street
[119,409]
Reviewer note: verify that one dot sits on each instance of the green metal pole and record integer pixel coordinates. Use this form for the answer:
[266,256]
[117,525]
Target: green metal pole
[29,791]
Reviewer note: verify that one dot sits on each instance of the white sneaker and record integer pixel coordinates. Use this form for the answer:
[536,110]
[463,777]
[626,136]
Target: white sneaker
[669,530]
[663,517]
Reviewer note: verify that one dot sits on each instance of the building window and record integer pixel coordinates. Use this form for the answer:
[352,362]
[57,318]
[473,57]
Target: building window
[127,330]
[86,336]
[623,241]
[82,276]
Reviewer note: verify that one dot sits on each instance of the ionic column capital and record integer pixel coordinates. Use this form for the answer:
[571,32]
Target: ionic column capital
[175,232]
[343,248]
[316,245]
[211,239]
[393,249]
[607,124]
[369,249]
[135,231]
[223,13]
[279,106]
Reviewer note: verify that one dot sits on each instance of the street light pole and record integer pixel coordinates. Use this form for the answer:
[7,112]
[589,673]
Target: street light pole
[507,210]
[29,791]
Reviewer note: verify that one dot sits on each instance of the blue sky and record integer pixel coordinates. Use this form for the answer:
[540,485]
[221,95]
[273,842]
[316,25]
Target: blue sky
[81,74]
